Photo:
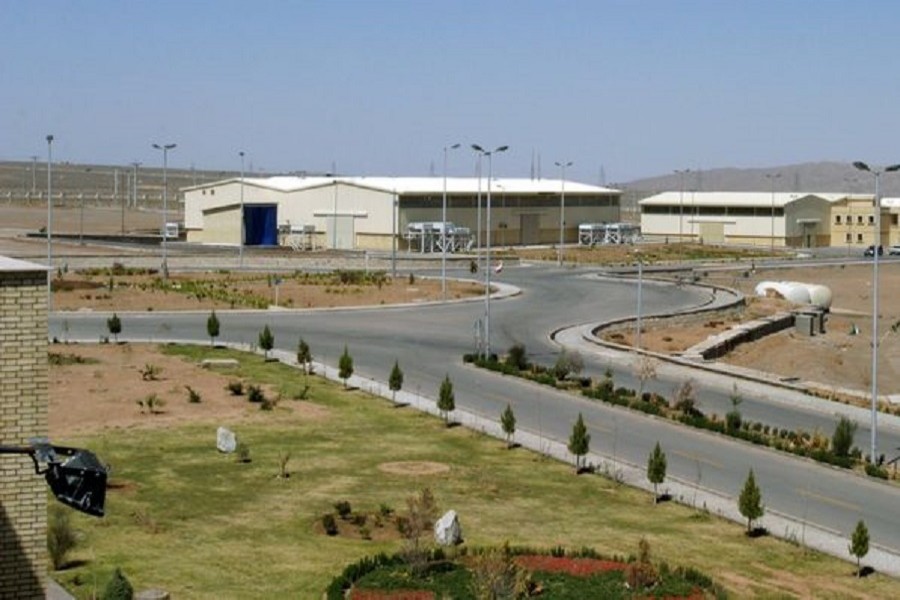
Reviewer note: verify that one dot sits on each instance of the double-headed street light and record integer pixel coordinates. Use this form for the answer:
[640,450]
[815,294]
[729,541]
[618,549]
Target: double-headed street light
[444,227]
[165,234]
[49,223]
[243,234]
[562,209]
[487,245]
[877,243]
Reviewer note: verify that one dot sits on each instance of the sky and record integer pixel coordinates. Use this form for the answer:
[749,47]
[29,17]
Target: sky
[622,89]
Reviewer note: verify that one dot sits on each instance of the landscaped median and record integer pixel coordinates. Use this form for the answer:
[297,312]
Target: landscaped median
[198,523]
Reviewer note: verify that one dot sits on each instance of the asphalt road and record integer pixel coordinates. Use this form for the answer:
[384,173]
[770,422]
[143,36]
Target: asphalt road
[429,341]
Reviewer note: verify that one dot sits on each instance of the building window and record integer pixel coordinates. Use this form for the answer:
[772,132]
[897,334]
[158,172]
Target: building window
[849,238]
[871,219]
[212,192]
[859,238]
[837,219]
[859,219]
[894,220]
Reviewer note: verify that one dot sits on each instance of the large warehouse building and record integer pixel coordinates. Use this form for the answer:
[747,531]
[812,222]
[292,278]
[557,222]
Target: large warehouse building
[369,213]
[755,218]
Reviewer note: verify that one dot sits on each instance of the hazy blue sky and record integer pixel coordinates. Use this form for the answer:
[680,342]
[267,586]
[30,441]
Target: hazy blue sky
[380,86]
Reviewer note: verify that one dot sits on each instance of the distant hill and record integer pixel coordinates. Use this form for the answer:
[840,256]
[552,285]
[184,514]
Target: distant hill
[836,177]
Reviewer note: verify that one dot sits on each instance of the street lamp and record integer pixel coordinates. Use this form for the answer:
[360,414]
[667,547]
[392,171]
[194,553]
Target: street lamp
[877,242]
[165,150]
[49,223]
[640,301]
[487,246]
[562,209]
[241,249]
[478,209]
[681,173]
[134,184]
[772,177]
[444,227]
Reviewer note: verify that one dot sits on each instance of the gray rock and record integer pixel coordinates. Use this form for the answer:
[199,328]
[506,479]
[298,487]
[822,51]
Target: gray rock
[226,441]
[447,531]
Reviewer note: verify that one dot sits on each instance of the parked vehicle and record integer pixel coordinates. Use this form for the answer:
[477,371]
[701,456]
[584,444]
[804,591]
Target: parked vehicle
[894,250]
[870,251]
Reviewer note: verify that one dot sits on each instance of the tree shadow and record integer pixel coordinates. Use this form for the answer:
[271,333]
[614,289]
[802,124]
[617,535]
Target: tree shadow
[757,532]
[664,497]
[866,571]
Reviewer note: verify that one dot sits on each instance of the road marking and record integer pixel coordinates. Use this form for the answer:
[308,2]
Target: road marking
[602,428]
[697,458]
[828,500]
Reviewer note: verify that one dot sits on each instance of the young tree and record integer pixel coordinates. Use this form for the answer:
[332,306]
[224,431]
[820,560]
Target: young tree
[345,366]
[733,418]
[842,440]
[579,441]
[415,524]
[304,355]
[859,544]
[212,328]
[646,371]
[395,380]
[114,324]
[508,422]
[266,340]
[118,587]
[446,399]
[569,362]
[750,502]
[656,469]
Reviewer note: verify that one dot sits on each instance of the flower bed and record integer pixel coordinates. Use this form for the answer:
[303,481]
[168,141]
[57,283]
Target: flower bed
[579,567]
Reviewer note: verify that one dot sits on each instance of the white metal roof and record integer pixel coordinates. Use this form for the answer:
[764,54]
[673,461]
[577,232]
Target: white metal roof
[748,199]
[8,264]
[424,185]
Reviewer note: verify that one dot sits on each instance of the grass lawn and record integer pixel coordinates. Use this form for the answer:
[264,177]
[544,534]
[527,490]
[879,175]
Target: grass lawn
[199,524]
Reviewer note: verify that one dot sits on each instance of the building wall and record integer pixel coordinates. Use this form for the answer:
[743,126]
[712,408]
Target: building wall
[23,414]
[855,218]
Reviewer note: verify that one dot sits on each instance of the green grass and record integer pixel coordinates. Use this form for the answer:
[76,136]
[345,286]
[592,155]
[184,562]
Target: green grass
[201,525]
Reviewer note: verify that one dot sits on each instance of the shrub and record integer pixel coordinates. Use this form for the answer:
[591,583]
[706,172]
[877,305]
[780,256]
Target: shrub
[118,588]
[517,357]
[150,372]
[329,524]
[343,509]
[243,453]
[842,440]
[60,536]
[236,388]
[876,471]
[255,394]
[193,395]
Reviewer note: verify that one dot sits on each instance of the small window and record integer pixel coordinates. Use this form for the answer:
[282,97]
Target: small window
[212,192]
[859,238]
[204,192]
[859,219]
[871,219]
[849,238]
[894,219]
[837,219]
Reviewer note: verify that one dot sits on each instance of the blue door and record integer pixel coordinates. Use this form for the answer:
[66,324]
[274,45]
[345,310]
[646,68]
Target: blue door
[261,224]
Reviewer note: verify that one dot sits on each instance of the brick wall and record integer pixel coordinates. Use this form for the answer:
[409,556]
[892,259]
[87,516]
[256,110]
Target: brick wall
[23,414]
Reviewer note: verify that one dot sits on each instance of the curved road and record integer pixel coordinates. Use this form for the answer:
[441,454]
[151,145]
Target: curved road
[429,341]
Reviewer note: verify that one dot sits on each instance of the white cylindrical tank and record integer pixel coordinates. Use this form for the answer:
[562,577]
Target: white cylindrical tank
[796,292]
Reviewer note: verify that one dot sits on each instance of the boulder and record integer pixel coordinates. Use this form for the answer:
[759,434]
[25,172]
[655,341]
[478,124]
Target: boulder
[226,441]
[447,531]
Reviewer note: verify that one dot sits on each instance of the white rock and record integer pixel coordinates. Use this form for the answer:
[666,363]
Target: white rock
[226,441]
[447,531]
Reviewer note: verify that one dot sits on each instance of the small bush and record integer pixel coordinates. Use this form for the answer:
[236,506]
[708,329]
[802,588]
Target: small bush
[329,524]
[255,394]
[876,471]
[150,372]
[118,588]
[60,536]
[243,453]
[193,395]
[235,388]
[343,509]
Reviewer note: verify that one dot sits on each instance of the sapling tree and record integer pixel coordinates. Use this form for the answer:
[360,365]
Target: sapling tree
[508,422]
[212,327]
[266,340]
[859,544]
[750,502]
[842,440]
[345,366]
[114,325]
[395,380]
[579,442]
[446,399]
[304,355]
[656,469]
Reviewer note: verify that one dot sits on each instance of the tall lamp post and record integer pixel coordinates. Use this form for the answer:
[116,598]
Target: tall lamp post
[772,177]
[243,235]
[444,226]
[487,245]
[877,242]
[165,150]
[562,209]
[478,209]
[681,173]
[134,184]
[49,222]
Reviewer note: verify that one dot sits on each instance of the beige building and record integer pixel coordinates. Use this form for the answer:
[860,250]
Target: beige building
[370,213]
[800,220]
[23,415]
[853,221]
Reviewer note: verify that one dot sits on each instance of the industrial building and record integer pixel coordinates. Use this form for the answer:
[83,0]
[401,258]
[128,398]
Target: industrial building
[751,218]
[374,213]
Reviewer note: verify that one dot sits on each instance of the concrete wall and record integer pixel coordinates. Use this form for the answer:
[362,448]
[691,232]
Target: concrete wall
[23,414]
